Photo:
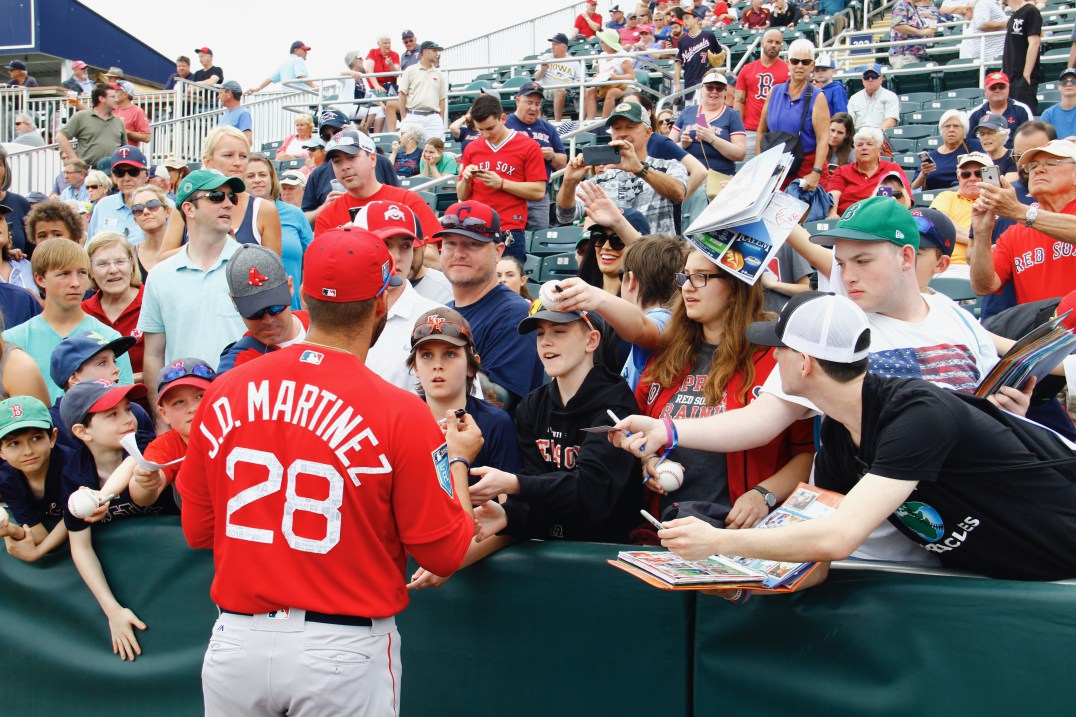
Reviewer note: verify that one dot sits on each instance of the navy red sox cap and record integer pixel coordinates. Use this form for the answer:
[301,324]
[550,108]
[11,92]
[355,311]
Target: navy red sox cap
[93,397]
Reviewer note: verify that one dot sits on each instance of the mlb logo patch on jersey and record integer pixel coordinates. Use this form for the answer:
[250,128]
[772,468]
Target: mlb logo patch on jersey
[444,471]
[312,357]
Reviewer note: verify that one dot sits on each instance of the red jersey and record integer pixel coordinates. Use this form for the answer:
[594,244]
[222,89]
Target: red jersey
[1039,266]
[337,214]
[583,28]
[517,159]
[312,478]
[756,80]
[126,323]
[166,448]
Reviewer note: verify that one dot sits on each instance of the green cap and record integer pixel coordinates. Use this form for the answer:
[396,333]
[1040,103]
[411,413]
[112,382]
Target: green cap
[632,111]
[874,219]
[20,412]
[205,179]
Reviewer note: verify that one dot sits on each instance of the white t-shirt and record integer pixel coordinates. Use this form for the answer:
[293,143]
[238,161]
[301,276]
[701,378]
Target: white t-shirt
[388,356]
[561,71]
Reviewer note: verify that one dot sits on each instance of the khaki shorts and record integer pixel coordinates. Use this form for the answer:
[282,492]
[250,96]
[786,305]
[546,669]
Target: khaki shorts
[603,91]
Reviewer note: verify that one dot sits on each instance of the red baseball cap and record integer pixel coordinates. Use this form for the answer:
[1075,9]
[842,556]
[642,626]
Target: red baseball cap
[388,219]
[206,50]
[348,264]
[995,77]
[471,219]
[1068,304]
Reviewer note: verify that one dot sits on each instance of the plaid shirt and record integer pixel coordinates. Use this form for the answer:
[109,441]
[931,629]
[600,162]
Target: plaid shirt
[906,13]
[628,191]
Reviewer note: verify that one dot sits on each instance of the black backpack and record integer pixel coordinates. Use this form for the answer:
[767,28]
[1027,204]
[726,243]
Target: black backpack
[1051,450]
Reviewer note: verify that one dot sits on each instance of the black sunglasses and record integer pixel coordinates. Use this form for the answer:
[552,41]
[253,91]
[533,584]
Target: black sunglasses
[217,196]
[600,239]
[275,310]
[969,173]
[126,172]
[799,61]
[152,204]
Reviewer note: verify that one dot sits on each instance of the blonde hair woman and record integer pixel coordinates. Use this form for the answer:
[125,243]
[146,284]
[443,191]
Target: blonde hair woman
[255,220]
[117,300]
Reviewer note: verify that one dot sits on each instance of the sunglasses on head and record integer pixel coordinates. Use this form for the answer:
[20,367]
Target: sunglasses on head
[274,310]
[800,61]
[601,238]
[126,171]
[536,306]
[217,196]
[969,173]
[475,224]
[152,204]
[176,372]
[437,325]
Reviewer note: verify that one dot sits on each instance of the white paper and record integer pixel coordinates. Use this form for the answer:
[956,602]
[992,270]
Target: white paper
[1070,373]
[131,446]
[745,197]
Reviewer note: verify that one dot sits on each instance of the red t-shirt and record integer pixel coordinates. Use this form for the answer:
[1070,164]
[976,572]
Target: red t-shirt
[583,28]
[854,185]
[311,478]
[1039,266]
[134,120]
[126,323]
[517,159]
[384,64]
[166,448]
[630,35]
[756,80]
[722,8]
[337,214]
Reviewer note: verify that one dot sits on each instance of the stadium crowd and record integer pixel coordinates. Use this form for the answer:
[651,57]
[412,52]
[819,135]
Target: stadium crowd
[129,287]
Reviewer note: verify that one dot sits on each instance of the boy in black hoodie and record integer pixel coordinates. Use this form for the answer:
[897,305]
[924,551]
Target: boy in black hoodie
[573,485]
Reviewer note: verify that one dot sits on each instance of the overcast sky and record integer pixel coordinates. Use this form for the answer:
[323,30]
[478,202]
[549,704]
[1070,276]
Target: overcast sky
[249,39]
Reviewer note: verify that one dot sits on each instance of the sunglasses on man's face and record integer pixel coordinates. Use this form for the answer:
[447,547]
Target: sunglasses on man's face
[969,173]
[218,196]
[274,310]
[126,171]
[871,77]
[996,88]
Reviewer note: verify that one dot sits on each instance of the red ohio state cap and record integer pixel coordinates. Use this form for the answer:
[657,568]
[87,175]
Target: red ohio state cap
[389,219]
[348,264]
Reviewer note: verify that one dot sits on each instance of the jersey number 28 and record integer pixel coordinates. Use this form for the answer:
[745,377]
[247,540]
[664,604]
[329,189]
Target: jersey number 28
[329,507]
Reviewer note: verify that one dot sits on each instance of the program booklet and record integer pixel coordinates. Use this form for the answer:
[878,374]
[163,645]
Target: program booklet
[662,569]
[1036,354]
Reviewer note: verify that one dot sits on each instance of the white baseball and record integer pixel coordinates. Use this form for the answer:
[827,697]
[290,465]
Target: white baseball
[670,475]
[548,295]
[82,503]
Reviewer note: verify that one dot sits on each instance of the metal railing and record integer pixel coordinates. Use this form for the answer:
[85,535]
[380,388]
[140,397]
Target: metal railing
[507,45]
[33,170]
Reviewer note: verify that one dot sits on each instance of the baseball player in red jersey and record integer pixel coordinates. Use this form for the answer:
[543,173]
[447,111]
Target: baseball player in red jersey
[311,478]
[503,169]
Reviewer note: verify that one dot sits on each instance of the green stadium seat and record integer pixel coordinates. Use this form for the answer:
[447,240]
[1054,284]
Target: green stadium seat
[269,148]
[919,97]
[532,268]
[912,132]
[922,117]
[899,145]
[950,103]
[555,240]
[928,143]
[819,226]
[921,81]
[430,198]
[559,266]
[959,290]
[967,93]
[955,76]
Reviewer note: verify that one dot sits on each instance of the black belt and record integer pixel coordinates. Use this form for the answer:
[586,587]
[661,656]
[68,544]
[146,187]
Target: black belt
[351,620]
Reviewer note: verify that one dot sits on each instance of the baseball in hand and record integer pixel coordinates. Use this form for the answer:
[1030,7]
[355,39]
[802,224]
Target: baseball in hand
[548,295]
[82,503]
[670,475]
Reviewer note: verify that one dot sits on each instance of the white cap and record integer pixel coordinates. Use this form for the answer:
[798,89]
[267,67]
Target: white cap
[714,76]
[826,61]
[822,325]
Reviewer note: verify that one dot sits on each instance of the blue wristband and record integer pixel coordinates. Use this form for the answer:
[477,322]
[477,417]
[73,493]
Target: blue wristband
[464,461]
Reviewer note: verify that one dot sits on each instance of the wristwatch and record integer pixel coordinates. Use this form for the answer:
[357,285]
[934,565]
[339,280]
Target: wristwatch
[1032,215]
[770,498]
[643,172]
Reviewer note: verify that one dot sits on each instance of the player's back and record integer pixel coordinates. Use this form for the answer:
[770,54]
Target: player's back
[315,473]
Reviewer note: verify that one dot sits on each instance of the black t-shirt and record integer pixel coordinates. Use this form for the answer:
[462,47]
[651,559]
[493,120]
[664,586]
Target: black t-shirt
[213,71]
[691,54]
[968,508]
[25,507]
[1024,23]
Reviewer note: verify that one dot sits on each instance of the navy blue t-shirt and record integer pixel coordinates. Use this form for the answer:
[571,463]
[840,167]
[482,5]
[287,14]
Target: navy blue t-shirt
[17,304]
[85,474]
[467,135]
[541,132]
[20,207]
[25,507]
[725,125]
[407,164]
[944,176]
[661,147]
[500,448]
[319,183]
[508,359]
